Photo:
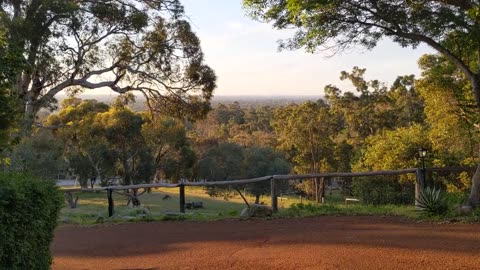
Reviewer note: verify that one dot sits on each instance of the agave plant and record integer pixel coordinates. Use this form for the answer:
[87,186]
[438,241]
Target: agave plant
[432,201]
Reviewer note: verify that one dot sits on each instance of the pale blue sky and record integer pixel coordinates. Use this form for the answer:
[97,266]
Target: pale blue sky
[244,55]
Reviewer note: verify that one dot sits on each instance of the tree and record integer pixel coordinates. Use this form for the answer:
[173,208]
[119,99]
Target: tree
[7,102]
[305,132]
[364,114]
[167,138]
[220,163]
[449,26]
[125,45]
[375,109]
[394,149]
[450,111]
[121,129]
[39,155]
[263,161]
[85,148]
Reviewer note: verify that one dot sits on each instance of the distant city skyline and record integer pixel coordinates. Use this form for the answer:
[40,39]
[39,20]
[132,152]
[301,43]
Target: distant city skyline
[244,54]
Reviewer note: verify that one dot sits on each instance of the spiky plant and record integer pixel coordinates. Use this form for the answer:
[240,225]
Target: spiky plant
[432,201]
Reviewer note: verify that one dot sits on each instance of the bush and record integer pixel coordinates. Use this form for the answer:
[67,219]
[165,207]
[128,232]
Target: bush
[382,190]
[432,201]
[454,199]
[29,210]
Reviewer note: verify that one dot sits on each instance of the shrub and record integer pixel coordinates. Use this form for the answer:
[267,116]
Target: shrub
[432,201]
[382,190]
[455,198]
[29,210]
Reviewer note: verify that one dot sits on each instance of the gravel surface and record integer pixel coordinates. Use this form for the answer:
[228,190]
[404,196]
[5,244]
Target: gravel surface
[306,243]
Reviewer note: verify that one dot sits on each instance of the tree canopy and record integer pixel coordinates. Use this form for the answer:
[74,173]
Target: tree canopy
[339,25]
[125,45]
[451,27]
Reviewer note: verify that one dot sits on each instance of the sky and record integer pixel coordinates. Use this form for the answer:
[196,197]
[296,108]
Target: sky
[244,54]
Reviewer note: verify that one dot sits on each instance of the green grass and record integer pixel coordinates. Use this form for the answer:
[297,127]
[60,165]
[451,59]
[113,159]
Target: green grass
[91,206]
[309,210]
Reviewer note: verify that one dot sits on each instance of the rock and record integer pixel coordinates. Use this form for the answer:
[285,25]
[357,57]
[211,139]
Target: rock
[257,210]
[465,209]
[188,205]
[197,205]
[245,212]
[99,219]
[173,214]
[193,205]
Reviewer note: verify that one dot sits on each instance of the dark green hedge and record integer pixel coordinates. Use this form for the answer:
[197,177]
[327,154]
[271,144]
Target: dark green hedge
[29,211]
[380,190]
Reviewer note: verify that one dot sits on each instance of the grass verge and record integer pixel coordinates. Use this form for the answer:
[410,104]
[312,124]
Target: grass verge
[163,204]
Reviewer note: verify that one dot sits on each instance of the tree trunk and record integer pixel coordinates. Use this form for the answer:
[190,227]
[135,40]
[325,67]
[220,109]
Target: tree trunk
[321,190]
[257,198]
[474,198]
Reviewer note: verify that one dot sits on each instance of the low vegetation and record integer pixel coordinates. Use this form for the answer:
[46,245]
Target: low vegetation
[163,205]
[28,215]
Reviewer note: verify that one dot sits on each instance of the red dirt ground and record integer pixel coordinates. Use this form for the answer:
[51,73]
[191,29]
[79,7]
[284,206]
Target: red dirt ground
[307,243]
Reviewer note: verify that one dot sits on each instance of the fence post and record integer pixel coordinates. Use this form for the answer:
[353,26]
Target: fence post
[182,198]
[110,202]
[273,189]
[322,190]
[419,184]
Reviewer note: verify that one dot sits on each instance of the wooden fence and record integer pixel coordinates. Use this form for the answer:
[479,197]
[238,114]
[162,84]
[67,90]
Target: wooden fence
[319,177]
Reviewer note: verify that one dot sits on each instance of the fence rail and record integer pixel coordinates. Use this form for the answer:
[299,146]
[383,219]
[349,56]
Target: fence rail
[420,182]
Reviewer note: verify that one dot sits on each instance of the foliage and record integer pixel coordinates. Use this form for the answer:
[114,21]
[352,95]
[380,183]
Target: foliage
[393,149]
[103,141]
[128,45]
[260,162]
[309,210]
[29,210]
[121,129]
[86,149]
[382,190]
[450,27]
[221,163]
[39,155]
[230,161]
[305,133]
[349,23]
[449,110]
[432,201]
[167,139]
[8,115]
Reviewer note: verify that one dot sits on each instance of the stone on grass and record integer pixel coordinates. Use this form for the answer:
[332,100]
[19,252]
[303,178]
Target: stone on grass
[465,209]
[100,219]
[257,210]
[173,214]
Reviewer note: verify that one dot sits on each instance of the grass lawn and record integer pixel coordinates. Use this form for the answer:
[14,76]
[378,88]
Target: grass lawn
[92,207]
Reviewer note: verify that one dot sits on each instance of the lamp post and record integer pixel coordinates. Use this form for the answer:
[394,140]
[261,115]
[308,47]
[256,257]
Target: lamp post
[422,153]
[420,181]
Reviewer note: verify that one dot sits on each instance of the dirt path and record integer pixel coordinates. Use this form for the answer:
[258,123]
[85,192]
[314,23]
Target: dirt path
[309,243]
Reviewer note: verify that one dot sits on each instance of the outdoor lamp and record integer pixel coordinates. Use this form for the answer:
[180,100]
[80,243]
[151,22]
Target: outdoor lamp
[422,152]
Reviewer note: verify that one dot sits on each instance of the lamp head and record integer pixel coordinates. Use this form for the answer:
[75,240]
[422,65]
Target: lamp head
[422,152]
